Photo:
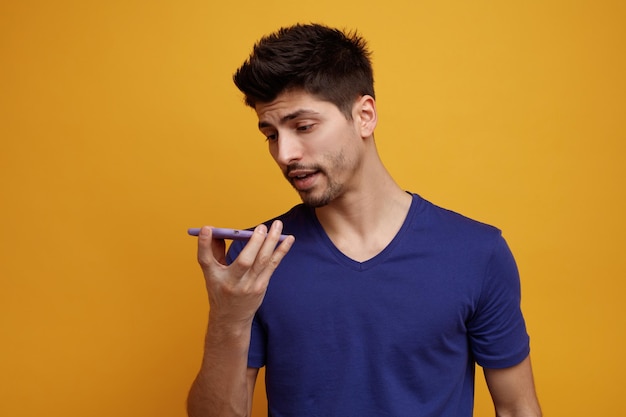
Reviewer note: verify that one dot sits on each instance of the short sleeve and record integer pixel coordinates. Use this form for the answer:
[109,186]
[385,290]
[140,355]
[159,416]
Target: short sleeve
[497,330]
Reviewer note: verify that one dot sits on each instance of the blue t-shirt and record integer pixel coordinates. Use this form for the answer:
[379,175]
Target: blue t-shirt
[397,335]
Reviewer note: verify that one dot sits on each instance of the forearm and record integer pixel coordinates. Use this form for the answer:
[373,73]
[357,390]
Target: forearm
[528,407]
[513,391]
[220,388]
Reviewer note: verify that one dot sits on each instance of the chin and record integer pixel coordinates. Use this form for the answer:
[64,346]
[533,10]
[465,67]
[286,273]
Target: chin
[316,201]
[312,201]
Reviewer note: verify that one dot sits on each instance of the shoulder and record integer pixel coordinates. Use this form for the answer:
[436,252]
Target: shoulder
[296,216]
[451,224]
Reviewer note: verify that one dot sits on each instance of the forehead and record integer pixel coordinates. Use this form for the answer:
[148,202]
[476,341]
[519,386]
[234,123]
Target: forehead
[290,104]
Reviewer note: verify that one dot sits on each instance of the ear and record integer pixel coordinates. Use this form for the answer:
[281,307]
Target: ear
[365,116]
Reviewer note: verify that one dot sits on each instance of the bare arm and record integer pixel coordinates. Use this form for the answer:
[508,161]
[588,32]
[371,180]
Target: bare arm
[225,384]
[513,390]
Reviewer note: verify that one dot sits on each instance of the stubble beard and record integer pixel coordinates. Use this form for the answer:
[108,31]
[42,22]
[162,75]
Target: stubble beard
[315,200]
[333,189]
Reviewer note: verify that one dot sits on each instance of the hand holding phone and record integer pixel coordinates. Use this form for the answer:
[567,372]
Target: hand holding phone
[233,234]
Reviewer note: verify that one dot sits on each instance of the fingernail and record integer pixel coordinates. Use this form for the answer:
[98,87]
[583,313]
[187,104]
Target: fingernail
[261,229]
[277,225]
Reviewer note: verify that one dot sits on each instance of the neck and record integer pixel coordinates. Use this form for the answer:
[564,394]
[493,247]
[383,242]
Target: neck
[363,220]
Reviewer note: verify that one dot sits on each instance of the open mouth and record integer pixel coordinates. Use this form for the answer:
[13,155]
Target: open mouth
[302,176]
[302,180]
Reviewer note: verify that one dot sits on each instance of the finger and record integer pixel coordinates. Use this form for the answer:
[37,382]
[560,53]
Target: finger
[248,254]
[210,250]
[264,267]
[274,234]
[270,255]
[280,252]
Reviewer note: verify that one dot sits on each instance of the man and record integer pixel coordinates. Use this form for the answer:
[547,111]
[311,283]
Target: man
[379,303]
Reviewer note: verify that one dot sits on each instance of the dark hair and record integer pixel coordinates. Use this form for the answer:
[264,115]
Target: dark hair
[326,62]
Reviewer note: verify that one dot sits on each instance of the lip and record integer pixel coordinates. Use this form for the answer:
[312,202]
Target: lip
[293,173]
[302,180]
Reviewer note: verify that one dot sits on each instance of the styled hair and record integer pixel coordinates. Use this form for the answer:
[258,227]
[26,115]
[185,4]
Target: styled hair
[329,63]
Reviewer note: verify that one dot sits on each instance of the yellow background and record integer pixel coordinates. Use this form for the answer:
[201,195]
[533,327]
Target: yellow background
[120,128]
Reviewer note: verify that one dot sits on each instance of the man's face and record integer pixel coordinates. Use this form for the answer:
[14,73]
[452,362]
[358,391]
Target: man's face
[313,143]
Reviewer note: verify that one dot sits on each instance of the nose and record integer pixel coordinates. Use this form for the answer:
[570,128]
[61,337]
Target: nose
[287,150]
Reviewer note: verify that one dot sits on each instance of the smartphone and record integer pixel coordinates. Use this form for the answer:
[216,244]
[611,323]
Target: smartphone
[233,234]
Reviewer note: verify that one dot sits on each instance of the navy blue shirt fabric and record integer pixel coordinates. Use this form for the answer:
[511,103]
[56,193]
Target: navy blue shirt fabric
[396,335]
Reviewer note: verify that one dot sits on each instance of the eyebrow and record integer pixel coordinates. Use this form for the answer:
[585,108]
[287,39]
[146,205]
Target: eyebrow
[290,116]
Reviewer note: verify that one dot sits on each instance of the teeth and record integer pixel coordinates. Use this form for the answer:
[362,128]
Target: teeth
[301,176]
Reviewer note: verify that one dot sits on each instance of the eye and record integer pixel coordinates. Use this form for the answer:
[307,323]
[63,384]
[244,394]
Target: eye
[270,136]
[305,128]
